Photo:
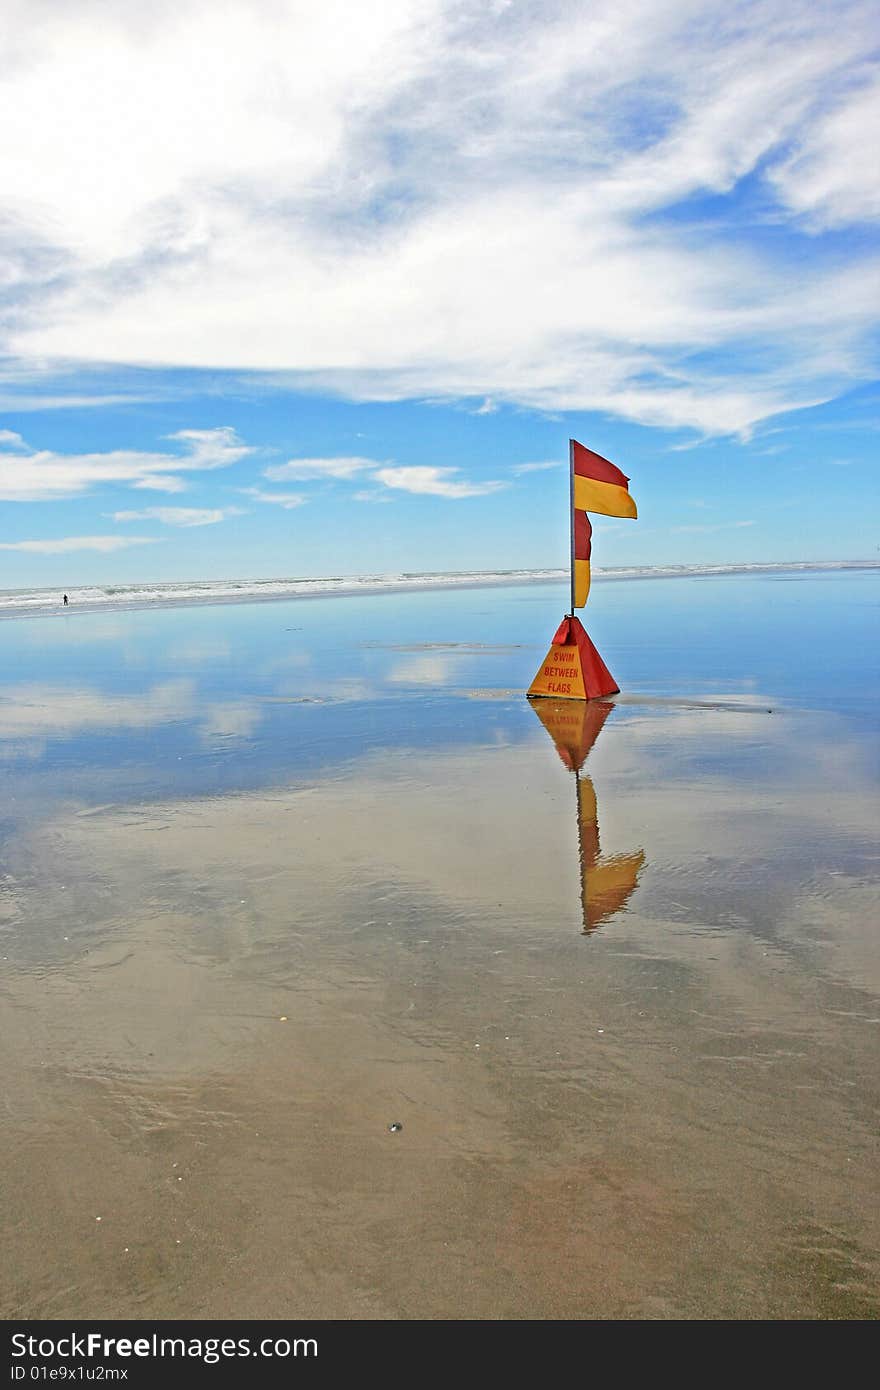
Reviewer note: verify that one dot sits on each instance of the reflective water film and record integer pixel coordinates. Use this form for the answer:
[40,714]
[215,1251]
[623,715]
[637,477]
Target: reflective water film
[276,878]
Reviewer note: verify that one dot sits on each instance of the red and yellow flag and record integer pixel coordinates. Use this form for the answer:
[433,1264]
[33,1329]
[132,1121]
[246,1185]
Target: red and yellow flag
[583,532]
[596,486]
[599,486]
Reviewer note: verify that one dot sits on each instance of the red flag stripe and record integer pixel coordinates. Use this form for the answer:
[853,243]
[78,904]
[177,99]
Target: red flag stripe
[582,533]
[590,465]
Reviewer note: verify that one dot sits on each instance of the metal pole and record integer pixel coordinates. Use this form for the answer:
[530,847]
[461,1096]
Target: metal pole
[571,513]
[581,859]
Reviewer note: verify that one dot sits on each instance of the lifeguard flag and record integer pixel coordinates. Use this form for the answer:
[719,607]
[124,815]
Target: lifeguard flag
[583,532]
[596,486]
[599,486]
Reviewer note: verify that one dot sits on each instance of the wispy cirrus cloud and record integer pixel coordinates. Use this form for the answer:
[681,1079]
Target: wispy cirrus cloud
[28,475]
[830,177]
[165,482]
[303,470]
[434,482]
[591,235]
[288,500]
[417,478]
[60,545]
[180,516]
[520,468]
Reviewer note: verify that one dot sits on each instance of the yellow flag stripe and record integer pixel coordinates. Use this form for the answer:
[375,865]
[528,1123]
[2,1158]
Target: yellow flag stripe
[581,582]
[605,498]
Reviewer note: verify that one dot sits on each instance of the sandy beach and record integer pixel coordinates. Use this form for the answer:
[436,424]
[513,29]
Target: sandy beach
[303,1015]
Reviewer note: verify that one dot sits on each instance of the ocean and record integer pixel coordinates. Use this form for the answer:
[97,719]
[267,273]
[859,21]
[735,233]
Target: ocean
[92,598]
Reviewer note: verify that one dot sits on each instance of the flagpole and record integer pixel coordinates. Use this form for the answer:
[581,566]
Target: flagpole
[571,513]
[581,864]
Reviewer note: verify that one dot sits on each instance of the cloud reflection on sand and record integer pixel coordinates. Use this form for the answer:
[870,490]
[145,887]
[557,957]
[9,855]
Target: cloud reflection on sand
[56,712]
[431,668]
[461,823]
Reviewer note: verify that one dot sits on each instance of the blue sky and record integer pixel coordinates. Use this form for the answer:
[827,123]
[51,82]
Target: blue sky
[295,289]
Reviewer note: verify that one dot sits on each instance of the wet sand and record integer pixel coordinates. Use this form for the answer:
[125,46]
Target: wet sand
[216,1005]
[671,1120]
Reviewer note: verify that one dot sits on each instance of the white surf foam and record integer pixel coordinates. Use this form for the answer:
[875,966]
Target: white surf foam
[91,598]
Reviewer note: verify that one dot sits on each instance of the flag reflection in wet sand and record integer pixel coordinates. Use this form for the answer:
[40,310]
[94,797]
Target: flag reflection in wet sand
[607,882]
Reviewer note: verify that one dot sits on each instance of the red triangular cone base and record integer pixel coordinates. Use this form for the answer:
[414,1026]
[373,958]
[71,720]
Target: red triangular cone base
[573,669]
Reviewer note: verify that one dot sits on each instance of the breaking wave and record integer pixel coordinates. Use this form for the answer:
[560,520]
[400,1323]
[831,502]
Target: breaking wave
[180,593]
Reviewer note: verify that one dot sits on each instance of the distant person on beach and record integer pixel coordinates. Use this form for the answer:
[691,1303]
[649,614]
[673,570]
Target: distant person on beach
[65,600]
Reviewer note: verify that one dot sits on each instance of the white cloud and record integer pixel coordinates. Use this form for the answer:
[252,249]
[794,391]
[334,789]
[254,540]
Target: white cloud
[833,176]
[32,476]
[214,448]
[39,399]
[161,483]
[436,482]
[180,516]
[10,440]
[520,468]
[456,201]
[301,470]
[288,500]
[62,544]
